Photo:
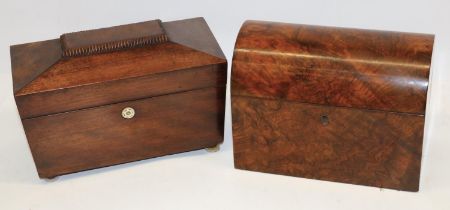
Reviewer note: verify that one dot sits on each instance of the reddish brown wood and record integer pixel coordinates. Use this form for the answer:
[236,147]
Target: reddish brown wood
[373,148]
[98,94]
[327,103]
[87,70]
[333,66]
[96,137]
[70,93]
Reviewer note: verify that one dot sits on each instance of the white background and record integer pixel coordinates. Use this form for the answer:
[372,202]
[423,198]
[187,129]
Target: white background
[201,180]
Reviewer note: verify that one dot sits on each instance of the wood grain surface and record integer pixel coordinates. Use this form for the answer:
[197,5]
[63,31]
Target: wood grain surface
[30,60]
[336,104]
[98,94]
[173,74]
[333,66]
[46,83]
[97,137]
[354,146]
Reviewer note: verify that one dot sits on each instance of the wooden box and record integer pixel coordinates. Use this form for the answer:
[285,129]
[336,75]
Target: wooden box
[108,96]
[336,104]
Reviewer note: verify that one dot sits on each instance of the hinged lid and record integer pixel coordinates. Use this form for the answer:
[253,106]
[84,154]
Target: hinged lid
[356,68]
[110,65]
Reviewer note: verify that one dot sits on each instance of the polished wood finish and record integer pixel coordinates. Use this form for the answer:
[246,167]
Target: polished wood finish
[100,136]
[98,94]
[355,146]
[328,103]
[333,66]
[73,84]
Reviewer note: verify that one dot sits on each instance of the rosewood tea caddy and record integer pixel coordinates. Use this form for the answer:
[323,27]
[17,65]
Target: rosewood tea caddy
[108,96]
[336,104]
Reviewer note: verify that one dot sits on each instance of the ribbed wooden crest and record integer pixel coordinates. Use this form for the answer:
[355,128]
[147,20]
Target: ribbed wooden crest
[112,39]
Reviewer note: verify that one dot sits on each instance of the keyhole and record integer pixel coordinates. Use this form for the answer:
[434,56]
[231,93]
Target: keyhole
[324,119]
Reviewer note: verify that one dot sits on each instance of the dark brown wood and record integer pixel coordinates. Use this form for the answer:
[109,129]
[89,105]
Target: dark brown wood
[29,60]
[96,137]
[328,103]
[70,93]
[98,94]
[87,70]
[112,39]
[198,37]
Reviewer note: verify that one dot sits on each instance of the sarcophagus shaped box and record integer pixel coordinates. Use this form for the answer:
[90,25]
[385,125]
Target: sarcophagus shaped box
[102,97]
[327,103]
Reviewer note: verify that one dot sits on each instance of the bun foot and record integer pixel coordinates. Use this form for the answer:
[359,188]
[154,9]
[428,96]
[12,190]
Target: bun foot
[213,149]
[51,179]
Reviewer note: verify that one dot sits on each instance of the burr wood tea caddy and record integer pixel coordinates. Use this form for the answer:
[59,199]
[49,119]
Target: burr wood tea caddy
[108,96]
[337,104]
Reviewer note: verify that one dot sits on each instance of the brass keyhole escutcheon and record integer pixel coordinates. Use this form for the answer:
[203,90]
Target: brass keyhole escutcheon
[324,119]
[128,113]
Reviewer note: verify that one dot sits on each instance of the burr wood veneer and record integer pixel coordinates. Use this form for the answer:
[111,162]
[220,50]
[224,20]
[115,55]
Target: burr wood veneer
[328,103]
[102,97]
